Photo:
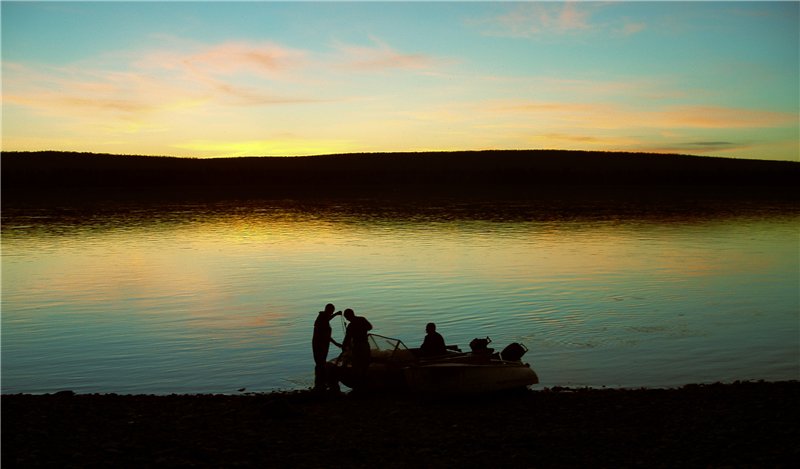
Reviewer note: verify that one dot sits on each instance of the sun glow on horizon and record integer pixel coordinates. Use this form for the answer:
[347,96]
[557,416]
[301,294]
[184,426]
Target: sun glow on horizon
[286,147]
[218,79]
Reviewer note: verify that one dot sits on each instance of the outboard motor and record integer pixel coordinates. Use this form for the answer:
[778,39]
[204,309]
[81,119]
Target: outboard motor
[481,346]
[514,352]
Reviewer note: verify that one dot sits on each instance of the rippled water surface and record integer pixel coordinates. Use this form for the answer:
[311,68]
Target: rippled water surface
[218,297]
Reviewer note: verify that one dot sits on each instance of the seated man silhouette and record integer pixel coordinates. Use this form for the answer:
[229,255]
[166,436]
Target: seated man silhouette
[433,343]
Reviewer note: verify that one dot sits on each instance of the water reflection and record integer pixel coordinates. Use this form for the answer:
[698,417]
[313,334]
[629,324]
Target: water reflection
[216,297]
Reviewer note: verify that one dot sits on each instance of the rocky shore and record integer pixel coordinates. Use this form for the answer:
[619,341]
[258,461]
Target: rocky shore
[744,424]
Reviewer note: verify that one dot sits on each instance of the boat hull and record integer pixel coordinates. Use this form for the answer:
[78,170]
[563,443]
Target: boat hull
[469,377]
[379,377]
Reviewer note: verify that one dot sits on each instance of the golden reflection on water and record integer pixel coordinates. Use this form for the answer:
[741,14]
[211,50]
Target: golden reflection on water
[222,294]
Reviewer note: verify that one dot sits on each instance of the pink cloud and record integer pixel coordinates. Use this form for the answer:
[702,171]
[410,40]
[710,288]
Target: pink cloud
[264,59]
[380,56]
[629,29]
[571,18]
[533,19]
[548,19]
[232,73]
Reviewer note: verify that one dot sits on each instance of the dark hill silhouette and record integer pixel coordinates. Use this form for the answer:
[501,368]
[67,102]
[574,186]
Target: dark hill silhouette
[465,172]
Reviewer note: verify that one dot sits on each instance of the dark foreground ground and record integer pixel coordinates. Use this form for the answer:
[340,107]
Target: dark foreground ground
[733,425]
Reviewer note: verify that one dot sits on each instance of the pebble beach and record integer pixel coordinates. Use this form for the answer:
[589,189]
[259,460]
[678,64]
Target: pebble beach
[742,424]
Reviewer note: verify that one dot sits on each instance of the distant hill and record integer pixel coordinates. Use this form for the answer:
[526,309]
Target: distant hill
[520,171]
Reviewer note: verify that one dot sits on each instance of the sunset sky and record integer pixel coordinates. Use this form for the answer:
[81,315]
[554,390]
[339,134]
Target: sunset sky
[260,78]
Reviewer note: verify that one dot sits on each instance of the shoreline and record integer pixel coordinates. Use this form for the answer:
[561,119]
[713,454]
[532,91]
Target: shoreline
[736,424]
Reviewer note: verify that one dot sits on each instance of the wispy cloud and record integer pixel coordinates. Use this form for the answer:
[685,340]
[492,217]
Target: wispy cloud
[154,83]
[233,74]
[537,19]
[711,146]
[717,117]
[73,91]
[265,59]
[694,148]
[192,94]
[379,56]
[631,28]
[553,20]
[693,129]
[612,115]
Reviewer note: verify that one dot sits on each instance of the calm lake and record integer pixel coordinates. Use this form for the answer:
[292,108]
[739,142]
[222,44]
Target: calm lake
[218,296]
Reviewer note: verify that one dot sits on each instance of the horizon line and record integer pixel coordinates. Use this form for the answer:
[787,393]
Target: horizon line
[395,152]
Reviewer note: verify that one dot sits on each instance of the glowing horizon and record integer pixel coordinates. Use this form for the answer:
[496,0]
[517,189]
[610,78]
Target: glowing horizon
[216,79]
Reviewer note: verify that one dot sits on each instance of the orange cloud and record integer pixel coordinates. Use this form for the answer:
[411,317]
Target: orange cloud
[617,116]
[688,129]
[84,93]
[717,117]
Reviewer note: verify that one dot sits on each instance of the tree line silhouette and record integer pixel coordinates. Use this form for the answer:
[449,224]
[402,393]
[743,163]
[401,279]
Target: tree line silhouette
[469,172]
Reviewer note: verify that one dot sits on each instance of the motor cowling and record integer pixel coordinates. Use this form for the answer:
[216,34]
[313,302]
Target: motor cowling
[478,345]
[513,352]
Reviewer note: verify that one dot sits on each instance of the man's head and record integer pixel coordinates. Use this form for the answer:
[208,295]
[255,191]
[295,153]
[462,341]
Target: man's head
[329,308]
[349,314]
[430,327]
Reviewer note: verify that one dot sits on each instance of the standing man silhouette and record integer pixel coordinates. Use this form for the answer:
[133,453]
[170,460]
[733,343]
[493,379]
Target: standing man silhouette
[356,342]
[320,343]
